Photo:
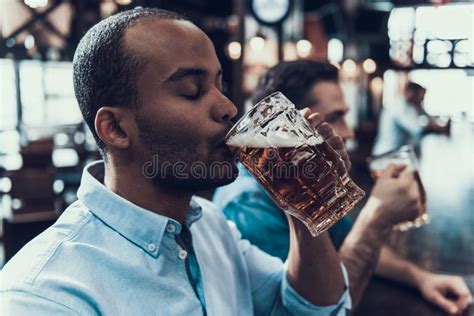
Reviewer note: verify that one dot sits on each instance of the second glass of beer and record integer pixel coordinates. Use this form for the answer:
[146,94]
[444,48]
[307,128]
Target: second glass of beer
[404,155]
[298,169]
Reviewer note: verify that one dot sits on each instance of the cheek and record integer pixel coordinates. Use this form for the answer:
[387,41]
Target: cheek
[339,128]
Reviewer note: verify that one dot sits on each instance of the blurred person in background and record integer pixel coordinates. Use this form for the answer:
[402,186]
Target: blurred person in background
[394,199]
[406,121]
[138,242]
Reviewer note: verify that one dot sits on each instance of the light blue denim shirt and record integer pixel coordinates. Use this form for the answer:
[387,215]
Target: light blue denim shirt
[107,256]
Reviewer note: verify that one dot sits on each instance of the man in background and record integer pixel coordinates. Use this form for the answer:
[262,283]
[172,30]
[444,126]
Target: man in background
[405,121]
[395,198]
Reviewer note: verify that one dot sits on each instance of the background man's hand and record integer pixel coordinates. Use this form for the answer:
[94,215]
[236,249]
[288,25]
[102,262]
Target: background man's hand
[450,293]
[397,193]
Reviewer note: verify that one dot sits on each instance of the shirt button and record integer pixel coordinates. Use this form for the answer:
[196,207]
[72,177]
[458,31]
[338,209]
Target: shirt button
[151,247]
[183,254]
[170,228]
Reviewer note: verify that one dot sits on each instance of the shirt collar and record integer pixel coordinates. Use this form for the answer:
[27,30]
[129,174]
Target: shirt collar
[141,226]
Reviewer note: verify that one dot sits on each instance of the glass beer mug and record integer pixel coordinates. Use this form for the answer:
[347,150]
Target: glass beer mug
[301,173]
[404,155]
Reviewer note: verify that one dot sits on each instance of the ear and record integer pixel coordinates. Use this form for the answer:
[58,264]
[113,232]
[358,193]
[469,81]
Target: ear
[112,125]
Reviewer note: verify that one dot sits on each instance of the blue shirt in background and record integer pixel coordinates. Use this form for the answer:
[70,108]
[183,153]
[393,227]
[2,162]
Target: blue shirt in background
[260,220]
[108,256]
[400,124]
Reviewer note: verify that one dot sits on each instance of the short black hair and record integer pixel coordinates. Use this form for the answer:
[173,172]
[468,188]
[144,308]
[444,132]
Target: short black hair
[295,80]
[105,71]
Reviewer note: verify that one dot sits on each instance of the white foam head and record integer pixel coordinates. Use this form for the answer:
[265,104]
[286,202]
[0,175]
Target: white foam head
[281,140]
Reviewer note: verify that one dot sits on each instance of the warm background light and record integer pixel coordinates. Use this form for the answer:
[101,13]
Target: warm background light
[349,67]
[303,48]
[235,50]
[257,43]
[369,66]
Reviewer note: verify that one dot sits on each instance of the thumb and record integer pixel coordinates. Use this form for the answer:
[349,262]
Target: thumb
[393,170]
[437,298]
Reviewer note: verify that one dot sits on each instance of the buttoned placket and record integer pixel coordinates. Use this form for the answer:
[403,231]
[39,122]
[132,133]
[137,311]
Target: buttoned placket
[186,253]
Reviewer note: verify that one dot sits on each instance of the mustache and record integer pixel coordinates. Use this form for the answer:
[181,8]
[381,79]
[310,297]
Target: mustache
[218,139]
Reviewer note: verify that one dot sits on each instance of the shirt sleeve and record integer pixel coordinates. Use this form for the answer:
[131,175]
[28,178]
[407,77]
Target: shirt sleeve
[24,303]
[408,119]
[272,294]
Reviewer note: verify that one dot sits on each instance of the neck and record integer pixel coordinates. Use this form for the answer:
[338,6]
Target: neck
[130,183]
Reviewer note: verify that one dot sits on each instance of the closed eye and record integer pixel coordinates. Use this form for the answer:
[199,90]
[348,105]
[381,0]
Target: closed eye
[192,97]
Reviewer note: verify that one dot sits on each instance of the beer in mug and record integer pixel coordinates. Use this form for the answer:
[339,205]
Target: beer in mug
[404,155]
[301,173]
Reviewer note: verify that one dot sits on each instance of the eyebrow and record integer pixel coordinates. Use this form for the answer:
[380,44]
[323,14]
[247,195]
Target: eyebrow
[182,73]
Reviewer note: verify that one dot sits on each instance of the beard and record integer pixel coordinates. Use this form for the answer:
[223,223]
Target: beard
[179,161]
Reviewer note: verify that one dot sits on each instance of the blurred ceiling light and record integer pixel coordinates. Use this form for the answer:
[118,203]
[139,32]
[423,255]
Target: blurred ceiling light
[58,186]
[36,3]
[65,157]
[257,43]
[79,137]
[349,67]
[303,48]
[107,8]
[5,185]
[29,41]
[418,53]
[61,139]
[376,85]
[233,23]
[438,46]
[235,50]
[464,53]
[369,66]
[439,60]
[16,204]
[335,50]
[123,2]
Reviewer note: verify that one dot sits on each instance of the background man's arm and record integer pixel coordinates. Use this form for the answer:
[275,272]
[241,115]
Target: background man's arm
[361,249]
[394,199]
[446,291]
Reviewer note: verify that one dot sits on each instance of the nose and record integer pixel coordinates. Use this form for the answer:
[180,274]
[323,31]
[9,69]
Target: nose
[224,110]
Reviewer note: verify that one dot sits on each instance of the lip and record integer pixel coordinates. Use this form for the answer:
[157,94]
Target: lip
[222,145]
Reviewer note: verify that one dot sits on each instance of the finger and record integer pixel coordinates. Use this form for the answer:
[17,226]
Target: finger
[408,176]
[458,287]
[325,130]
[337,144]
[305,112]
[393,170]
[315,119]
[438,299]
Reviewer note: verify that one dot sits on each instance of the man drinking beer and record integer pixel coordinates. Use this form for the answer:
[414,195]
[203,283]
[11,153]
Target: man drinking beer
[395,198]
[137,242]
